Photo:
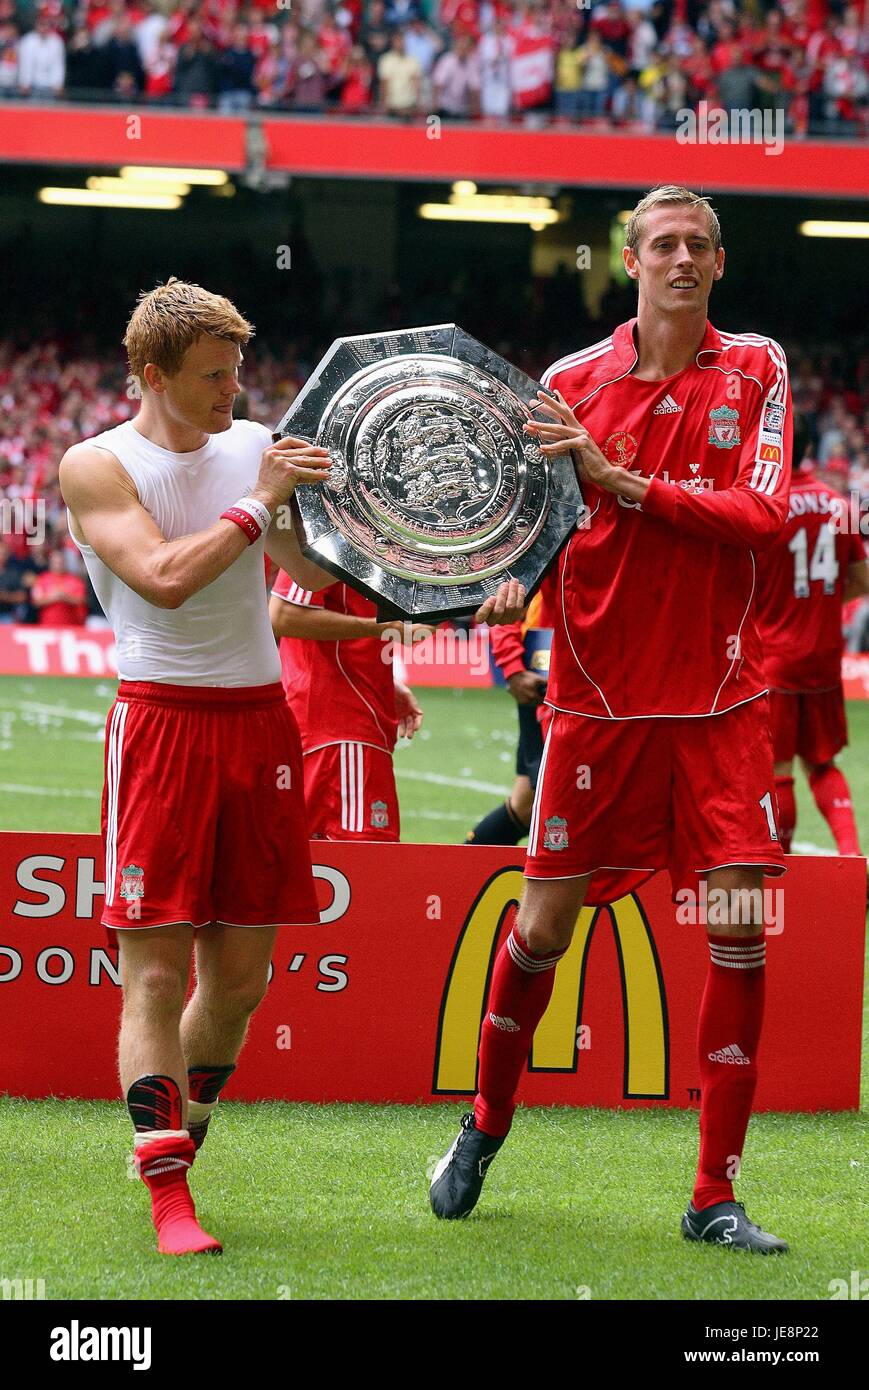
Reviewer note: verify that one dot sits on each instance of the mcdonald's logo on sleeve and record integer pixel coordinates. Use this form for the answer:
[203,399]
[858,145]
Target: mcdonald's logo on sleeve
[645,1025]
[770,453]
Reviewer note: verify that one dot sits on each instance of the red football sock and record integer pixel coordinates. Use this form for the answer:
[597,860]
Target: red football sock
[731,1015]
[162,1154]
[833,797]
[521,989]
[162,1164]
[787,811]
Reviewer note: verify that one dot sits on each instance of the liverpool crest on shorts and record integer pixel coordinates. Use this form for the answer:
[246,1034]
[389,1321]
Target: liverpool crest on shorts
[724,427]
[133,881]
[555,833]
[379,815]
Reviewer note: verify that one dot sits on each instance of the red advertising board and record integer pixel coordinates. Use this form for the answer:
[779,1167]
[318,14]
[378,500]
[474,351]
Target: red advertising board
[382,1000]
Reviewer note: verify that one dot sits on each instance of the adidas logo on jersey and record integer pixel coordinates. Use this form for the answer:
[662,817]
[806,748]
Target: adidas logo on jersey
[733,1054]
[667,407]
[507,1025]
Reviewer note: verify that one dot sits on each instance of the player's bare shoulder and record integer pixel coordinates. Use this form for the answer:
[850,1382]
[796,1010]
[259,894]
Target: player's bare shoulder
[90,478]
[87,468]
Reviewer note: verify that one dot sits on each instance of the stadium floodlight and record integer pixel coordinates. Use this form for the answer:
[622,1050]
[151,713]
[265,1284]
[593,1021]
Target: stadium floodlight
[831,228]
[88,197]
[465,204]
[451,212]
[107,184]
[209,178]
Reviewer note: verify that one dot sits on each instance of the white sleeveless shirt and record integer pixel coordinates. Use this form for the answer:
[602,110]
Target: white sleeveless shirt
[221,636]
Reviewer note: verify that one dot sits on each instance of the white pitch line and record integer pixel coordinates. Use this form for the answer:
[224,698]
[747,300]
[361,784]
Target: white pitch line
[438,779]
[24,790]
[84,716]
[807,847]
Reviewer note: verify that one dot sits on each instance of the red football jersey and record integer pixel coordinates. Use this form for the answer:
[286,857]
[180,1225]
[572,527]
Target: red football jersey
[800,584]
[339,691]
[656,611]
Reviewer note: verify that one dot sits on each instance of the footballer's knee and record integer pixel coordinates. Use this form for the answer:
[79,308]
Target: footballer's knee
[237,997]
[155,987]
[548,913]
[737,896]
[542,938]
[817,769]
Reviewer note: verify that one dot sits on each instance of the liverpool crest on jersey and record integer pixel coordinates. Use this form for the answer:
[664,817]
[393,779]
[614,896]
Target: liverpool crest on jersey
[132,881]
[555,833]
[379,815]
[724,427]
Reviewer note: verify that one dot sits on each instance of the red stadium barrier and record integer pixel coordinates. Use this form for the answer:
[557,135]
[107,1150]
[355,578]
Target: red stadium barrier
[607,160]
[450,658]
[373,148]
[382,1000]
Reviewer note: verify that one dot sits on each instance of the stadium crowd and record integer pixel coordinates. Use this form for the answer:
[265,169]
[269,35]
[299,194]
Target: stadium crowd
[623,62]
[52,396]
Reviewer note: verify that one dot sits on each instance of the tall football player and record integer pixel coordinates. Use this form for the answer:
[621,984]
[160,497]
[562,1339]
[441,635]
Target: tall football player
[658,754]
[815,565]
[203,818]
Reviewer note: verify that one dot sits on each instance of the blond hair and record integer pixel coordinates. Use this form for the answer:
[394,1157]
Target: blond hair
[663,194]
[171,318]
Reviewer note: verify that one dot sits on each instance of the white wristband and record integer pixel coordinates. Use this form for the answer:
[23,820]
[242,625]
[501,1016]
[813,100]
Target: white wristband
[258,510]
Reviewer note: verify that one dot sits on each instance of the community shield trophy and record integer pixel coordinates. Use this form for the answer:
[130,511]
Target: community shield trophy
[436,495]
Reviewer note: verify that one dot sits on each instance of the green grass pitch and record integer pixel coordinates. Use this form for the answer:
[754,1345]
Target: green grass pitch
[330,1201]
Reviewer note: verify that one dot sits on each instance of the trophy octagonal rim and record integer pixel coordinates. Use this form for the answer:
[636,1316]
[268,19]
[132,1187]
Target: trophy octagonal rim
[437,495]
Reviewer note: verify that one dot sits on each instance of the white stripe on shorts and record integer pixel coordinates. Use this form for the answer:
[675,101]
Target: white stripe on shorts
[113,779]
[538,795]
[352,786]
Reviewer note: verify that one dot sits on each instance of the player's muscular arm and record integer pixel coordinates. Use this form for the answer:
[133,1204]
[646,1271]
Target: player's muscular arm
[108,516]
[296,620]
[284,465]
[283,546]
[857,581]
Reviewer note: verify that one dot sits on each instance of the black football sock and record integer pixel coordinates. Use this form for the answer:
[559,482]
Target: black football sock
[500,827]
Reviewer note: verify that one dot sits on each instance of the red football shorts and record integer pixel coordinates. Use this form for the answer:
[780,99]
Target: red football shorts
[350,793]
[811,725]
[203,812]
[621,799]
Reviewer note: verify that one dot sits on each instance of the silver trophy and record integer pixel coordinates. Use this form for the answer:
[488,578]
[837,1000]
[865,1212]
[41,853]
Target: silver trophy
[436,496]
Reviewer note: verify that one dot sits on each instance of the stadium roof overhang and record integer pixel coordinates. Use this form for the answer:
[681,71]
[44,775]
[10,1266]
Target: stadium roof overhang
[334,148]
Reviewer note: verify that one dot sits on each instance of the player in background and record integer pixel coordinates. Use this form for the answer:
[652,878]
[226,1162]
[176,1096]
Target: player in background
[522,652]
[337,670]
[802,581]
[203,819]
[658,753]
